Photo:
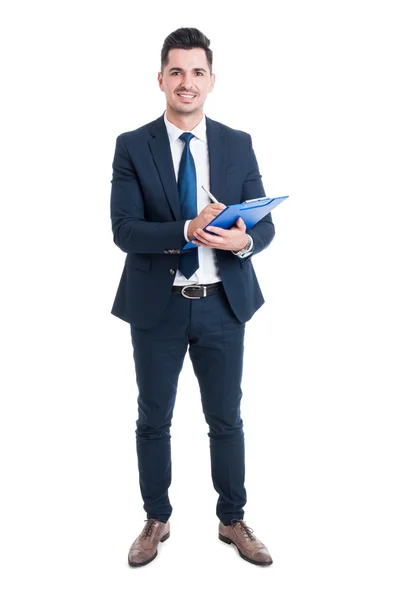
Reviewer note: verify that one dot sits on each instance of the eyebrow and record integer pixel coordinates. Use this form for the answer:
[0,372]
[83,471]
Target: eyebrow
[179,69]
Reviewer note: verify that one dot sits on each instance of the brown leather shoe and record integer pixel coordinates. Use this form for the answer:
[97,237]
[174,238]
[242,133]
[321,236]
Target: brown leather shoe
[249,547]
[145,547]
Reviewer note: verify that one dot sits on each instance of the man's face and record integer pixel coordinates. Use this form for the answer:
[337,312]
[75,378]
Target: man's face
[186,80]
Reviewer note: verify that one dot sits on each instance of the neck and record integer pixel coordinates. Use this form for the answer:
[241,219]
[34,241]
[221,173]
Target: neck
[187,122]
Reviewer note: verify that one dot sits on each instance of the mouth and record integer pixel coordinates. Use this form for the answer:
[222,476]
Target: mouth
[185,96]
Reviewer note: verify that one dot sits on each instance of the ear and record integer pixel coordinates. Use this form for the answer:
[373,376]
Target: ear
[212,81]
[160,81]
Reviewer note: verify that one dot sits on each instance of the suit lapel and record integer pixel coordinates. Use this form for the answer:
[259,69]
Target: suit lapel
[161,152]
[217,157]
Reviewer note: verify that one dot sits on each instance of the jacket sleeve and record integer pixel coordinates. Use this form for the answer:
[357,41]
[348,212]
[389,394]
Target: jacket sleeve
[263,232]
[131,232]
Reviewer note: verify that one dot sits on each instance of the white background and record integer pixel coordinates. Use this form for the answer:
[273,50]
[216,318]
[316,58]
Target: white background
[314,84]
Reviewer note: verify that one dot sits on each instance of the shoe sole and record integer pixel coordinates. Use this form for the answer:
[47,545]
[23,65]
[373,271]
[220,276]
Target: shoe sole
[250,560]
[142,564]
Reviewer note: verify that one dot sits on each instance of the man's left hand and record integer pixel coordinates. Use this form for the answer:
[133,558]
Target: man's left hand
[226,239]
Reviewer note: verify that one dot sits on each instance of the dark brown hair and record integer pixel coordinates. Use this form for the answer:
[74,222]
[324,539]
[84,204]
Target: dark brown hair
[186,38]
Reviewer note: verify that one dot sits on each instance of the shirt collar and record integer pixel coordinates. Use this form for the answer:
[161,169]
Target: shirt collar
[174,132]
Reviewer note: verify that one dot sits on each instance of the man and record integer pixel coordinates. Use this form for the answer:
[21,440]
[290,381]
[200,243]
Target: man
[198,299]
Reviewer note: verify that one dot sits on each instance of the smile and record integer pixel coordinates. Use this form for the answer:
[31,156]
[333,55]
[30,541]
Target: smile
[188,96]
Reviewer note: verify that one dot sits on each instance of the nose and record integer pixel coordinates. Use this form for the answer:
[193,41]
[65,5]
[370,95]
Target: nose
[187,81]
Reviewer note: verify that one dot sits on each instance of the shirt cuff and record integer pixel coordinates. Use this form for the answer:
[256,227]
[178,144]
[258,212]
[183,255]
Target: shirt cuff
[248,252]
[186,229]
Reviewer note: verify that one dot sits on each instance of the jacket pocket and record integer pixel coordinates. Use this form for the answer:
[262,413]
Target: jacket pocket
[142,262]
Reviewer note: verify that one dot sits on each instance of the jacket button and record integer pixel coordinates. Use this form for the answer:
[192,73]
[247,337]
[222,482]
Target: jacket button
[172,272]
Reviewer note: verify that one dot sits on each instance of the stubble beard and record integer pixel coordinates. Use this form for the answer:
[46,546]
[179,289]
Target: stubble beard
[186,109]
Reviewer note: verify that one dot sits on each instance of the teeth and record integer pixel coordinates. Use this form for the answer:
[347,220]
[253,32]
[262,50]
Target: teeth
[186,96]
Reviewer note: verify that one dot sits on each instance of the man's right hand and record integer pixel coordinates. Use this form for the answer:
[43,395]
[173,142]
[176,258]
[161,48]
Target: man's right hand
[204,217]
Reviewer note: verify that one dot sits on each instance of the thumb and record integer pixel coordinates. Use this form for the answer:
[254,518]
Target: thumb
[241,224]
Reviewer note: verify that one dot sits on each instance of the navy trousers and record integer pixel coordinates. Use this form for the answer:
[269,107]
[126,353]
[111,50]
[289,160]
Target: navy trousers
[215,339]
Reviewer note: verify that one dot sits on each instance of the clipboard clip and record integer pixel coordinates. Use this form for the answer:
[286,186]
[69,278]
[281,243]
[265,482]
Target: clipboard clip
[256,200]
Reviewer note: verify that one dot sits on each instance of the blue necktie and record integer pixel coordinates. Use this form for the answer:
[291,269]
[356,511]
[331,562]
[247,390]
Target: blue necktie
[189,262]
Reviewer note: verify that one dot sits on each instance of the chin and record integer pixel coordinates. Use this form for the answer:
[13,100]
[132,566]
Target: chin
[185,110]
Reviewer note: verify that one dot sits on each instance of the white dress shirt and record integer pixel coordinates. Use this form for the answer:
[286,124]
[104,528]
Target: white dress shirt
[208,269]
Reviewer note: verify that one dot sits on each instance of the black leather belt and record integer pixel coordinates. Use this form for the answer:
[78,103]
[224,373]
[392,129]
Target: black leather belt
[194,291]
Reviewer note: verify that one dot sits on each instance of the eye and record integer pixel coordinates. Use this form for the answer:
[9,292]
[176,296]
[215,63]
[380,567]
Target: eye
[175,73]
[199,73]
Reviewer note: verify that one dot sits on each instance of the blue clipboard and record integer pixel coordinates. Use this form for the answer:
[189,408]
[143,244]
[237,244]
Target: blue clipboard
[251,211]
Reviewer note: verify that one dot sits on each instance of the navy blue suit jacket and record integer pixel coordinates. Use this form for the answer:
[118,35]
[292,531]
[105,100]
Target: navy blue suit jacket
[147,224]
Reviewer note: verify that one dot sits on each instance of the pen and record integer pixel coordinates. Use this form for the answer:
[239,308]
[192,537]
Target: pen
[209,194]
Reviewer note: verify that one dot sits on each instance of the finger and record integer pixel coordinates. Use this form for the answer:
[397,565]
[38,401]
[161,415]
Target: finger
[210,245]
[217,230]
[207,239]
[203,236]
[201,242]
[241,224]
[216,211]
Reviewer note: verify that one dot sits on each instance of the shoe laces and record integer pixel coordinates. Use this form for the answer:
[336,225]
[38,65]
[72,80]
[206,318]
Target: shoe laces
[247,531]
[148,527]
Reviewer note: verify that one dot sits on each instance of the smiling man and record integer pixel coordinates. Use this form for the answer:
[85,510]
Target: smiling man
[197,300]
[186,88]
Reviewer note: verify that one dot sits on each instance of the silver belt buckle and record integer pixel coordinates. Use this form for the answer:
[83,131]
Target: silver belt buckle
[198,287]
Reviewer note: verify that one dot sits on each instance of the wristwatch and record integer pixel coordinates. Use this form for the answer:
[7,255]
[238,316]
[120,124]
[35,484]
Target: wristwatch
[246,250]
